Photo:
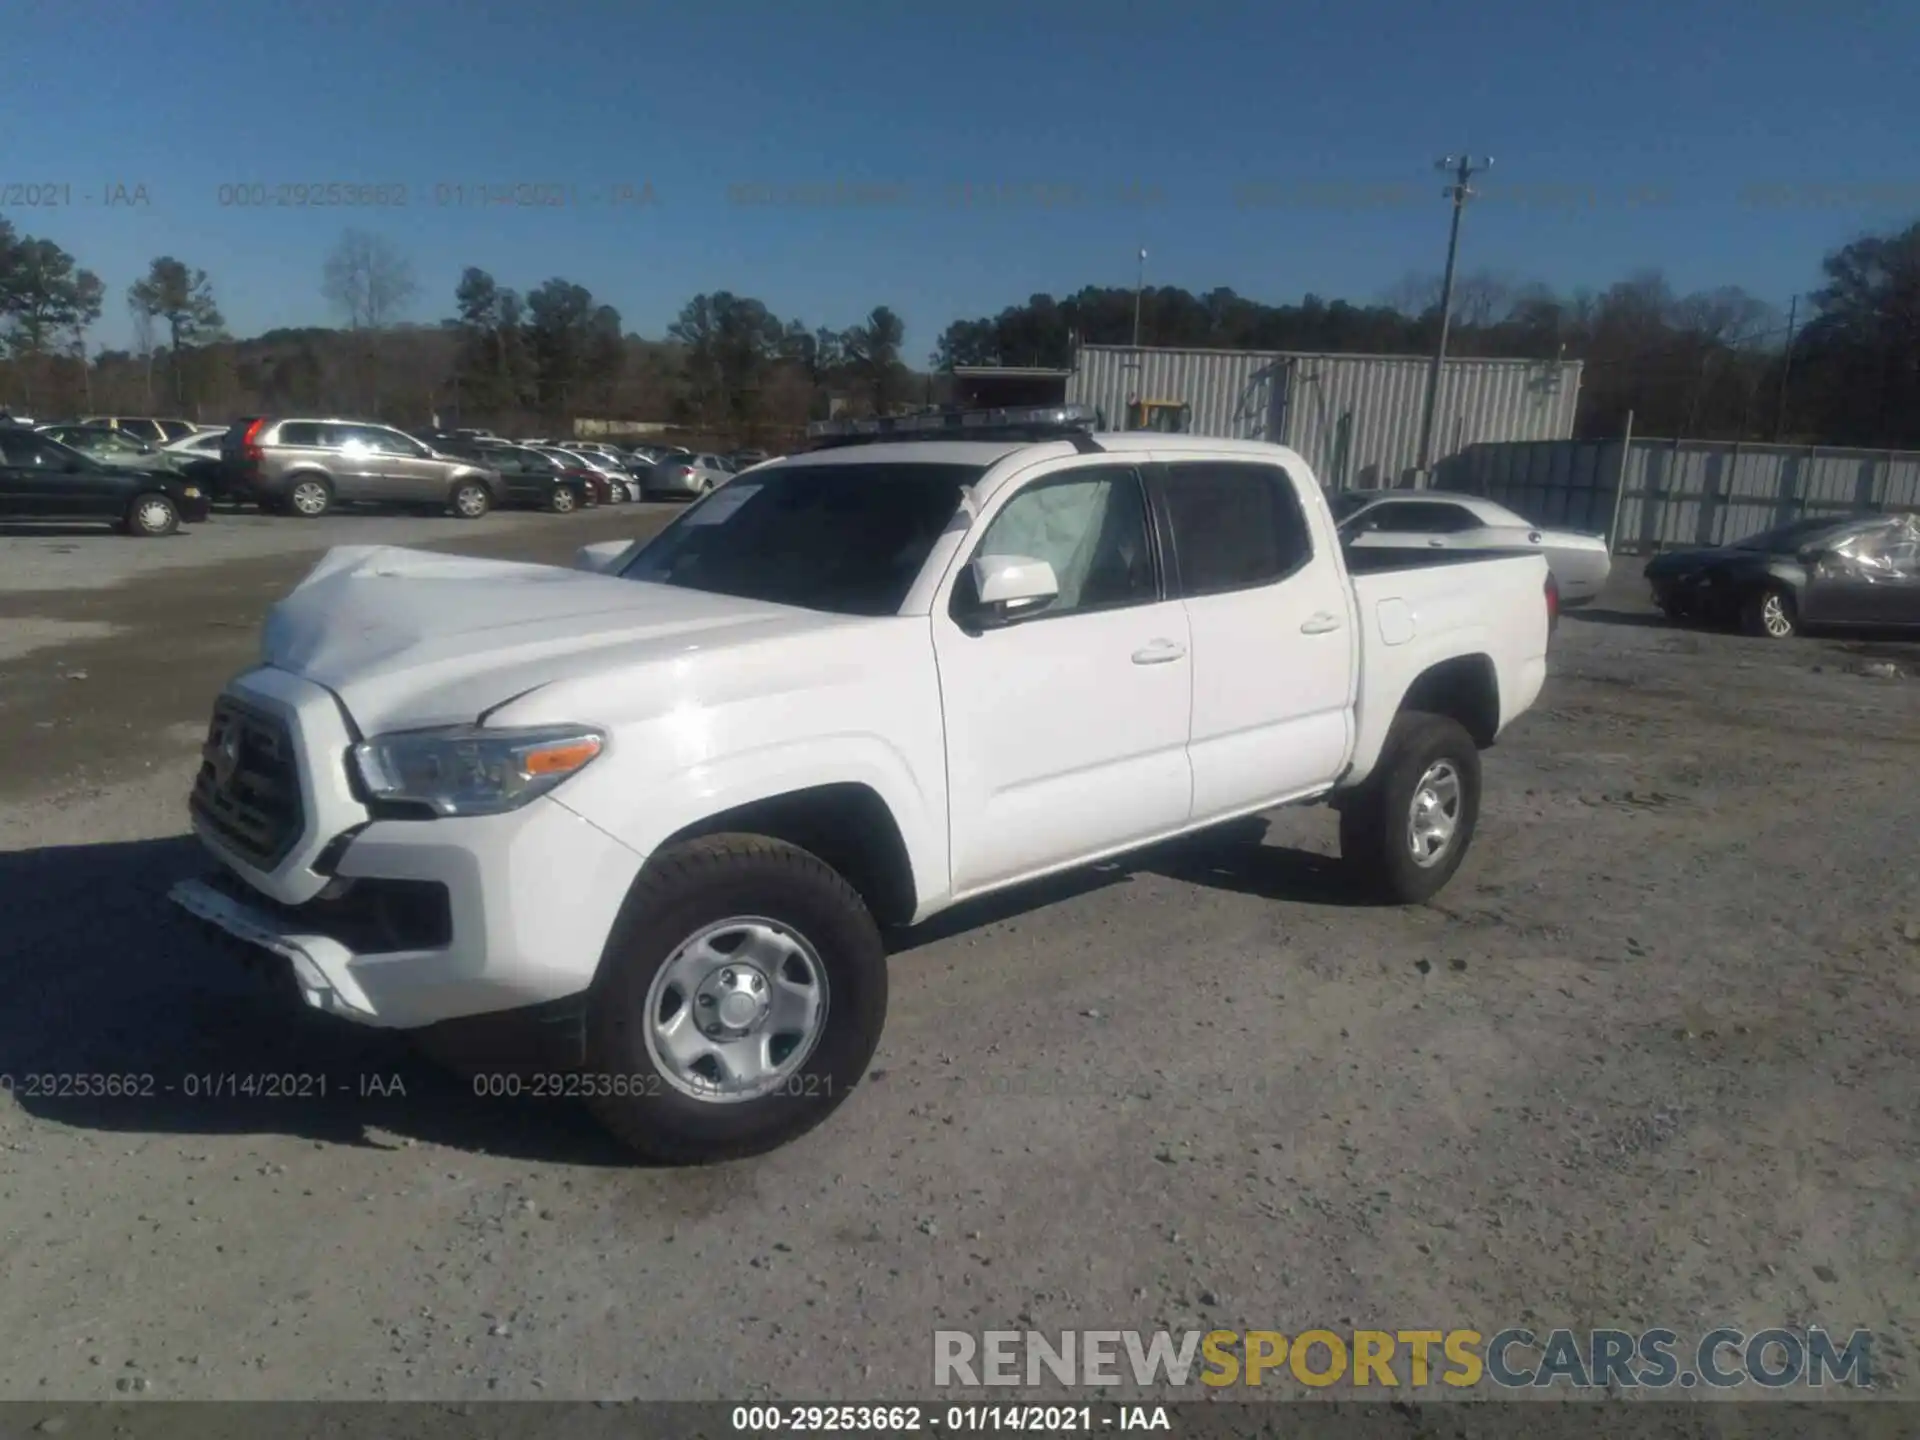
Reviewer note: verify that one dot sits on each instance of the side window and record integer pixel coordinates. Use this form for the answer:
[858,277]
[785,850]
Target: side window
[1452,519]
[1090,526]
[390,442]
[1403,518]
[1235,525]
[25,451]
[300,432]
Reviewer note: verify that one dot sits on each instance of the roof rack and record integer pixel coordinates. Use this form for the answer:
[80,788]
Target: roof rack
[1022,422]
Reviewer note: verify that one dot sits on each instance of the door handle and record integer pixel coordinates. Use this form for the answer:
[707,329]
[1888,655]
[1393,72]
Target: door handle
[1319,624]
[1436,544]
[1159,652]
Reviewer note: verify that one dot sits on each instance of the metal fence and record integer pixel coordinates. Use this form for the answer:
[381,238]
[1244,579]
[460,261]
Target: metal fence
[1647,494]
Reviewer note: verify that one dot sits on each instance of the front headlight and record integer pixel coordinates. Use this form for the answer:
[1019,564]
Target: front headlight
[192,492]
[473,770]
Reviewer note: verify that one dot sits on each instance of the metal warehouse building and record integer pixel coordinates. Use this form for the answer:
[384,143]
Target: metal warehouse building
[1355,418]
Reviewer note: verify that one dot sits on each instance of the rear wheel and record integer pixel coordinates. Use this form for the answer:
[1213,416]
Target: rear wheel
[1770,614]
[471,500]
[152,515]
[739,1003]
[309,497]
[1408,828]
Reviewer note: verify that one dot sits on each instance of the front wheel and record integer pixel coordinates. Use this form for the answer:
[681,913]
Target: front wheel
[152,516]
[471,500]
[563,501]
[1408,828]
[1770,614]
[738,1004]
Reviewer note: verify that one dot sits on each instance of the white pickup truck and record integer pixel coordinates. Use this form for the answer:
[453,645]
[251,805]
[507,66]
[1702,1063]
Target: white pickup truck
[659,813]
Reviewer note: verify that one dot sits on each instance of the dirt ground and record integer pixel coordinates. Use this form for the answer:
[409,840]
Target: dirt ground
[1651,1060]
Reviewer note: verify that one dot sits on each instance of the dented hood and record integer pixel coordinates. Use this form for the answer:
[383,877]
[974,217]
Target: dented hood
[411,637]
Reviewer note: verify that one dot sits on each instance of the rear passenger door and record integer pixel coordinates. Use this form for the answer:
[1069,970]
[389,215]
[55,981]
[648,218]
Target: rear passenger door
[1271,620]
[354,460]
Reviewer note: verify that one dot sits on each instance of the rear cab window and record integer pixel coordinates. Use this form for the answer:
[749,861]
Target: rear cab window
[1235,525]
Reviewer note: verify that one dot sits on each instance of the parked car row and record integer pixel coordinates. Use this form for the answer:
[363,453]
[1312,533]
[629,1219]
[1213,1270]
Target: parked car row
[99,466]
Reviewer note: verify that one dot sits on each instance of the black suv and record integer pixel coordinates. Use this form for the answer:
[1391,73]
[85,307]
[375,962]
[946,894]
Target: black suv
[41,479]
[526,476]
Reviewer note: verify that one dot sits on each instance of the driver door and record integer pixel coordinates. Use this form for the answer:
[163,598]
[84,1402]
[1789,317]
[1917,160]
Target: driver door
[407,470]
[1067,728]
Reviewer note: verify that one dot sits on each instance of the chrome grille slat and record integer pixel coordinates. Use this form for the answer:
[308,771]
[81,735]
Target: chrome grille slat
[256,806]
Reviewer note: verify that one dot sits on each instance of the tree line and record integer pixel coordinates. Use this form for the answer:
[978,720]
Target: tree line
[1842,369]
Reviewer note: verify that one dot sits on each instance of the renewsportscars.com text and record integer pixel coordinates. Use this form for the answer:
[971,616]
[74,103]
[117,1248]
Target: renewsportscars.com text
[1510,1359]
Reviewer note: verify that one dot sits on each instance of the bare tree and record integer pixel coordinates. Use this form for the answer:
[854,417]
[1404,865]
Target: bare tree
[367,280]
[143,342]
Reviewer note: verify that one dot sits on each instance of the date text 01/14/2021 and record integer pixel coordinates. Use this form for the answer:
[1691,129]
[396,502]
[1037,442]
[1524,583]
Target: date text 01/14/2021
[200,1085]
[903,1419]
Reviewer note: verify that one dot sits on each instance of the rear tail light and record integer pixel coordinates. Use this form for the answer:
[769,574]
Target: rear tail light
[1553,604]
[249,442]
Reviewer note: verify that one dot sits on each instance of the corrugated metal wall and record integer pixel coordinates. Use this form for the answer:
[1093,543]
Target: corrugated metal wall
[1684,492]
[1356,418]
[1232,392]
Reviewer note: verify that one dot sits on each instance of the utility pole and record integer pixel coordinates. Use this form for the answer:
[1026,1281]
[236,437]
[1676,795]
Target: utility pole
[1463,169]
[1786,365]
[1139,284]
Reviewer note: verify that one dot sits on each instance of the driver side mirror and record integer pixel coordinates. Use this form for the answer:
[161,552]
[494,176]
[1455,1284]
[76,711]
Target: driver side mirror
[1811,555]
[1008,588]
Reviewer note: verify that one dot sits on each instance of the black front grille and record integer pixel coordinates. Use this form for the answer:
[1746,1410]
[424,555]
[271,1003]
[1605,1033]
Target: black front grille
[248,788]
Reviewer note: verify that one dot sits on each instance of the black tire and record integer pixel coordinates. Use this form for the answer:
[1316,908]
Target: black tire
[470,500]
[683,890]
[151,516]
[1376,822]
[1769,613]
[307,497]
[563,500]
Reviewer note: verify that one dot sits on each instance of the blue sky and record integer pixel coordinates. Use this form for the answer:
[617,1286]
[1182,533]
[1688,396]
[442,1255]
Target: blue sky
[1028,148]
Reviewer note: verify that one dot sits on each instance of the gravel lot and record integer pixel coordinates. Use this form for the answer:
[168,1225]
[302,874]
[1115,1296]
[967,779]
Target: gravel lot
[1650,1060]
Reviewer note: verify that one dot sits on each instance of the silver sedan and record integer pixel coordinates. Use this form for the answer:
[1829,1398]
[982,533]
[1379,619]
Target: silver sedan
[1441,520]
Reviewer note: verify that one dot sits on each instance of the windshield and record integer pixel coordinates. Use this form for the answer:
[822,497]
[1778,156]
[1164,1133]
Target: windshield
[847,539]
[1787,538]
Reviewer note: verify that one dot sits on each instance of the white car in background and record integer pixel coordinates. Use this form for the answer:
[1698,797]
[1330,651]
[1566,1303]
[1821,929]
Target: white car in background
[1442,520]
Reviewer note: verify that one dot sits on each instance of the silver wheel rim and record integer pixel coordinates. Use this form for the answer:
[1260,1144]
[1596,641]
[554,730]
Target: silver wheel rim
[737,1009]
[155,515]
[310,497]
[1434,816]
[470,501]
[1773,615]
[563,500]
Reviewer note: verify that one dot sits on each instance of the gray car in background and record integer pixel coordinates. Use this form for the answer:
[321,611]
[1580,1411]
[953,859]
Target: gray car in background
[305,467]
